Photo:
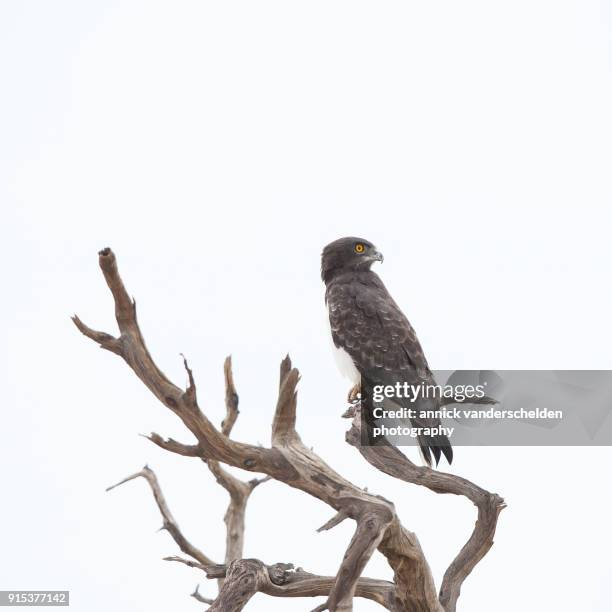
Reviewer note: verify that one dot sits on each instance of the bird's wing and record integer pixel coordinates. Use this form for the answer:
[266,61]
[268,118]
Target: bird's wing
[367,323]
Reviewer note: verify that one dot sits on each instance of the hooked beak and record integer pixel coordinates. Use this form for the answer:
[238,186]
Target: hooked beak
[378,256]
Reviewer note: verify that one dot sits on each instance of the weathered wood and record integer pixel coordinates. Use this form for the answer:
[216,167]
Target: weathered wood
[282,580]
[390,460]
[289,461]
[170,524]
[244,578]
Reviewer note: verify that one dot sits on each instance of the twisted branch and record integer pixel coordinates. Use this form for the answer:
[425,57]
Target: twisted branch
[391,461]
[290,461]
[170,524]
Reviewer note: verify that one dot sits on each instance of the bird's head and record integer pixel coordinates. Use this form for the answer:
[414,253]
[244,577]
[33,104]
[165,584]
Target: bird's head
[347,254]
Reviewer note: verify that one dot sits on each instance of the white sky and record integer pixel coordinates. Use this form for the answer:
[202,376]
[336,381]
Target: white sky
[217,147]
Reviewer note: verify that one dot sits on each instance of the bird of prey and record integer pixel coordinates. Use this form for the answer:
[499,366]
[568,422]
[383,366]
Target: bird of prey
[374,341]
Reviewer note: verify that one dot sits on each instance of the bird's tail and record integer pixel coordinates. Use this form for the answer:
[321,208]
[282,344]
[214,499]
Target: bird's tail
[437,446]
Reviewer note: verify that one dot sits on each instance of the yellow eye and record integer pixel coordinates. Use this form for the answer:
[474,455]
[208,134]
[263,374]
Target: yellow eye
[359,248]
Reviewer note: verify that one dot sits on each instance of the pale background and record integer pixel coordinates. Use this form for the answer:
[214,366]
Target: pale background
[217,146]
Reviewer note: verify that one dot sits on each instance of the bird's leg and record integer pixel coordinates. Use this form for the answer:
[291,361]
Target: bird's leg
[354,395]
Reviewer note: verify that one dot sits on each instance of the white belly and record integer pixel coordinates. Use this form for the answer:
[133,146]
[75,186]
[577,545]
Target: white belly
[346,365]
[343,360]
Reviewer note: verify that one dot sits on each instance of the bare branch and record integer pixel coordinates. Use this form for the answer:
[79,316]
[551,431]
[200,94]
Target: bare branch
[281,580]
[217,571]
[231,398]
[472,552]
[198,597]
[189,563]
[333,521]
[285,368]
[372,523]
[190,392]
[258,481]
[238,490]
[283,426]
[244,578]
[188,450]
[106,341]
[133,350]
[239,493]
[390,460]
[170,523]
[125,307]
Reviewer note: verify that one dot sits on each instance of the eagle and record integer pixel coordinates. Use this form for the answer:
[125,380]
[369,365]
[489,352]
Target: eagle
[374,341]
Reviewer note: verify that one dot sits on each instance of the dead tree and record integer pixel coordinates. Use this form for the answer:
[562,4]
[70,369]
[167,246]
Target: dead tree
[289,461]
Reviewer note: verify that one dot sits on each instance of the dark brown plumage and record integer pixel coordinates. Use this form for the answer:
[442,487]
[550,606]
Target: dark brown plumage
[367,323]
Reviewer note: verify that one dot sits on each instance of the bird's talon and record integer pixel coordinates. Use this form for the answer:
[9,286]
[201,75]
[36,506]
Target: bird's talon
[354,395]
